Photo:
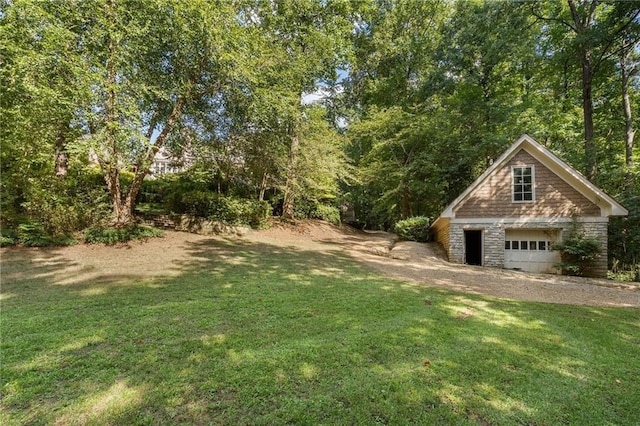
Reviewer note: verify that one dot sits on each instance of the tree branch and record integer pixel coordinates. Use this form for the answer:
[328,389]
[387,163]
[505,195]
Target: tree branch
[543,18]
[152,123]
[613,38]
[576,17]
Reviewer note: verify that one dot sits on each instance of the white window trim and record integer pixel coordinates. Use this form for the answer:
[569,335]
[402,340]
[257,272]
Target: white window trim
[533,184]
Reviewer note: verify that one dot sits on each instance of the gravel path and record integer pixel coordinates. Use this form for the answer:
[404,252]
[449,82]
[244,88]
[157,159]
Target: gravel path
[425,264]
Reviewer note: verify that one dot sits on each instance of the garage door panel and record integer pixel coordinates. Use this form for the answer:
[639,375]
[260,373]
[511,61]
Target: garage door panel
[529,250]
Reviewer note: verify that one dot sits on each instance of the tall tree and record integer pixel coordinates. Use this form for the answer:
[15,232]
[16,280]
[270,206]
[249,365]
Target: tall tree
[395,44]
[306,40]
[154,63]
[595,27]
[629,61]
[43,85]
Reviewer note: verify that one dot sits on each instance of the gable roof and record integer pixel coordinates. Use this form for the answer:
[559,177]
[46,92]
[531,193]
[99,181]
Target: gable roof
[608,206]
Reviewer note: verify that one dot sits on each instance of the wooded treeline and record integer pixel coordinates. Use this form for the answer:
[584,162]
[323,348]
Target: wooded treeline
[419,95]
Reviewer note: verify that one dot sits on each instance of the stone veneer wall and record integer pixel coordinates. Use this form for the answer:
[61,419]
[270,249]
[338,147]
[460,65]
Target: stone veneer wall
[493,241]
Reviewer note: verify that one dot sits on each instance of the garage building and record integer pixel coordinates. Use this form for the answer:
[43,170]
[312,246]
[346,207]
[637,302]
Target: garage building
[524,202]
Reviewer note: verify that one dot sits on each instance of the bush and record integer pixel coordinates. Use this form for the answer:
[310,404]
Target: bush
[196,203]
[328,213]
[230,210]
[577,251]
[154,191]
[108,235]
[238,211]
[8,238]
[310,209]
[33,234]
[413,229]
[64,206]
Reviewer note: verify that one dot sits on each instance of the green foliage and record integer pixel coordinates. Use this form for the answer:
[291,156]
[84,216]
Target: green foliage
[624,242]
[194,193]
[403,172]
[238,211]
[8,237]
[110,235]
[309,209]
[33,234]
[196,203]
[413,229]
[67,205]
[577,251]
[327,213]
[154,191]
[227,209]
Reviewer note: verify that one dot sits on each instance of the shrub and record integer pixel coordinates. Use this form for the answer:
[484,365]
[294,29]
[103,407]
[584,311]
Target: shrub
[198,203]
[33,234]
[310,209]
[260,214]
[325,212]
[8,237]
[63,206]
[109,235]
[413,229]
[577,251]
[239,211]
[154,191]
[230,210]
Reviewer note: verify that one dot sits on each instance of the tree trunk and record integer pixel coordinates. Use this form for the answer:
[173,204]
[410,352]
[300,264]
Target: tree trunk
[405,205]
[263,186]
[628,117]
[61,156]
[109,159]
[289,191]
[590,151]
[124,211]
[110,166]
[581,26]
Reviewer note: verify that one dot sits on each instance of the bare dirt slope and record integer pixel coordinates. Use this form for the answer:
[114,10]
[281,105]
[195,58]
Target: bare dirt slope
[421,264]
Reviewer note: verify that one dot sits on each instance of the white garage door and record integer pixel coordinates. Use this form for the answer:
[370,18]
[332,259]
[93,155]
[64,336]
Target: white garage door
[529,250]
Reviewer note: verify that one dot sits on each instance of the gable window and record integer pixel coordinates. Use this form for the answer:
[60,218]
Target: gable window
[522,187]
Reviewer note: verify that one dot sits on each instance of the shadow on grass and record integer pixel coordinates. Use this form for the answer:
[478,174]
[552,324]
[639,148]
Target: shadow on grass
[255,334]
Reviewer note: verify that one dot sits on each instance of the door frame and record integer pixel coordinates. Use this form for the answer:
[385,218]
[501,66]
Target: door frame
[480,242]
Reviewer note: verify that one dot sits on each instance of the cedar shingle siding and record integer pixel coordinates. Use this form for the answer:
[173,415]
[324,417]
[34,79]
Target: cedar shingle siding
[553,196]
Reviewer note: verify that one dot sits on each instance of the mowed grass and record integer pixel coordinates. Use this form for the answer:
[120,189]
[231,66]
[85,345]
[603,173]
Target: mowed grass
[253,334]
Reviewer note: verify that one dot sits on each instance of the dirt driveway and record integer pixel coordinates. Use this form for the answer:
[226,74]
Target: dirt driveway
[425,264]
[422,264]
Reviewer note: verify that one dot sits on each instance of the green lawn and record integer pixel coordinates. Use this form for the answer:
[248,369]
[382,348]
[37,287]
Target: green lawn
[252,334]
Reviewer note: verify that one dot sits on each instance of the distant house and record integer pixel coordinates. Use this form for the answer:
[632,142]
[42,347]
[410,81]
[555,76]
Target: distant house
[165,162]
[518,207]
